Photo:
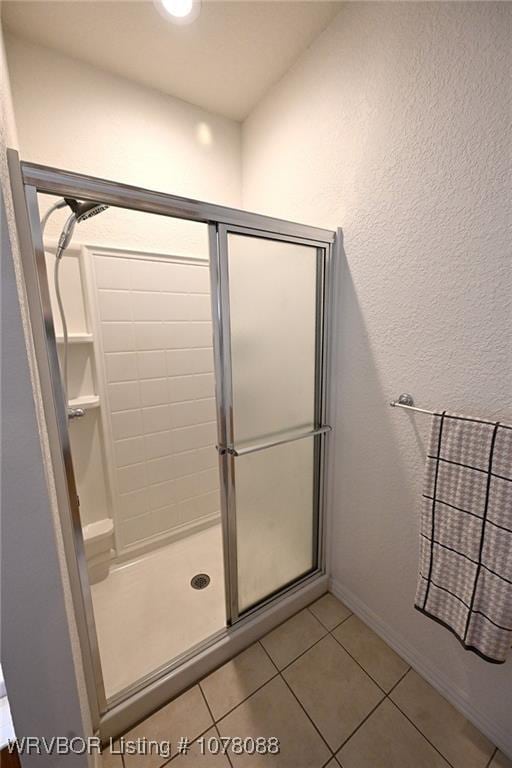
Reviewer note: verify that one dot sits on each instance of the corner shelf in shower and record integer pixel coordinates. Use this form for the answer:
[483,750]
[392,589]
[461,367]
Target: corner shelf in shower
[85,401]
[77,338]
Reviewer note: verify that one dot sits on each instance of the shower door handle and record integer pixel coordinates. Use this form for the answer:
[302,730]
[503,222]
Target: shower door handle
[233,450]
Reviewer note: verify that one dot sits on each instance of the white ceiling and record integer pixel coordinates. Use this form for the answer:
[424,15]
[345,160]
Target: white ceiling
[224,61]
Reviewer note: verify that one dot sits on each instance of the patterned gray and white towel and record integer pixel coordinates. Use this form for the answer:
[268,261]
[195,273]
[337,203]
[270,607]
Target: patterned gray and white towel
[465,575]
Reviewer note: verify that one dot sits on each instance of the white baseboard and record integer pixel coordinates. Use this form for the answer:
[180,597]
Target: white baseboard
[498,736]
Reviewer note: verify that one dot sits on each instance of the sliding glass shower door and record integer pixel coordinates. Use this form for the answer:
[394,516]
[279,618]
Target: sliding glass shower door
[272,291]
[148,600]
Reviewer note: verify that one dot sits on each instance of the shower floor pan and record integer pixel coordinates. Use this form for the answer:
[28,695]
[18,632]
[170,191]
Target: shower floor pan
[147,612]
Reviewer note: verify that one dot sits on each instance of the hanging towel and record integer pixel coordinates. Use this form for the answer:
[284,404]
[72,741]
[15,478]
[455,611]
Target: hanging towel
[465,574]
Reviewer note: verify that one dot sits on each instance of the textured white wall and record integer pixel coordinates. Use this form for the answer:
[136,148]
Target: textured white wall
[8,122]
[35,588]
[73,116]
[396,125]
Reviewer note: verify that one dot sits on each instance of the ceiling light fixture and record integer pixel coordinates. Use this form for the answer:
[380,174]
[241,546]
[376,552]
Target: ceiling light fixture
[179,11]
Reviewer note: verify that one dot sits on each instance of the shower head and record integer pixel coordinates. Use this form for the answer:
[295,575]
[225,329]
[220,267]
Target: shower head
[81,212]
[86,210]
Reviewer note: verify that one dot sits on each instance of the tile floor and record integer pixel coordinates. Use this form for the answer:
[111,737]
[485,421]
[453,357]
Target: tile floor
[332,692]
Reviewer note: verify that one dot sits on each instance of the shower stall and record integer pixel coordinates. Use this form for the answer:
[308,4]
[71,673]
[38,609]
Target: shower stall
[184,357]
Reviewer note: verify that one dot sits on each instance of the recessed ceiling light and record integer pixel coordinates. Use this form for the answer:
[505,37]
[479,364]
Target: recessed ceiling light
[179,11]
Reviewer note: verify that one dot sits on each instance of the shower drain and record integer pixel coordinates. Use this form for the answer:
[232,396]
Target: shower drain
[200,581]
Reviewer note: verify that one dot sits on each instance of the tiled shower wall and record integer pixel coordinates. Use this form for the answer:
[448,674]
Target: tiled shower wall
[155,323]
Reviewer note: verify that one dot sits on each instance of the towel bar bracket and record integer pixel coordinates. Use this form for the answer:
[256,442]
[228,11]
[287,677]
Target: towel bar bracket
[404,399]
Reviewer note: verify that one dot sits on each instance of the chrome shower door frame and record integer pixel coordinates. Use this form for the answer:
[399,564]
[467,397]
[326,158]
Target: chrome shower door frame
[27,180]
[228,451]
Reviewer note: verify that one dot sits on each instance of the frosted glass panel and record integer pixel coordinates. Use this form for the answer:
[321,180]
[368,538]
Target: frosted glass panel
[272,300]
[274,502]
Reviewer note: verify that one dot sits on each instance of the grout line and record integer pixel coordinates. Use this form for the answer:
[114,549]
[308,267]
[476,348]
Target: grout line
[162,405]
[242,701]
[308,608]
[156,322]
[153,292]
[387,696]
[213,721]
[341,622]
[192,741]
[379,686]
[398,681]
[273,677]
[363,721]
[226,753]
[301,705]
[134,352]
[267,654]
[206,702]
[279,674]
[420,732]
[307,715]
[157,458]
[225,714]
[386,693]
[201,348]
[286,666]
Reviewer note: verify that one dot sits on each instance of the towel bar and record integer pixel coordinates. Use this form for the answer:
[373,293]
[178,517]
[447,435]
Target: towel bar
[407,401]
[290,438]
